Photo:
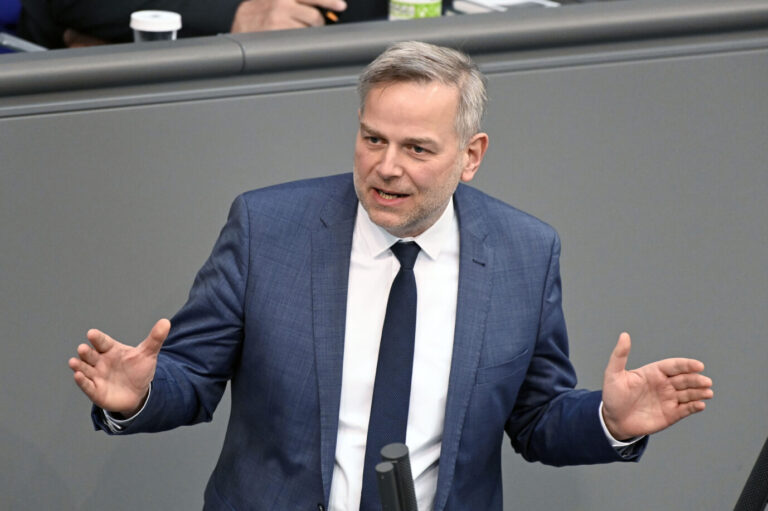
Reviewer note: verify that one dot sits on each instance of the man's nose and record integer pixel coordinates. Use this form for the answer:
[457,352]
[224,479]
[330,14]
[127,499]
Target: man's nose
[390,164]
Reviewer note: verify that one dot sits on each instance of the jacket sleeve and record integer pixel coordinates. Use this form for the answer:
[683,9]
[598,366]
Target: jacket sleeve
[552,422]
[199,356]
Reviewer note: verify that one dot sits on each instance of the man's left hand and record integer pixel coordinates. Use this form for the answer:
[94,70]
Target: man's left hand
[653,397]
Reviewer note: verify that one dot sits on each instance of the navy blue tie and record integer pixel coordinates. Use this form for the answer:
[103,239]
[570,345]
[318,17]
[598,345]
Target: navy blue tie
[392,387]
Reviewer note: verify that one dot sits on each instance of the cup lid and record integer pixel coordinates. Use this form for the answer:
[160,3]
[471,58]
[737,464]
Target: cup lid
[155,21]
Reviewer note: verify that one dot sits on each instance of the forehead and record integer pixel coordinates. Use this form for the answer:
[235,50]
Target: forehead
[411,105]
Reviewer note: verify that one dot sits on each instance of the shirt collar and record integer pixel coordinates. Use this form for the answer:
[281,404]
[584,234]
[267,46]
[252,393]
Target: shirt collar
[376,240]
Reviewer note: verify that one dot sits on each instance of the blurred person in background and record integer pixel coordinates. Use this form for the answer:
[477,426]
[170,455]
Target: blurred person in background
[77,23]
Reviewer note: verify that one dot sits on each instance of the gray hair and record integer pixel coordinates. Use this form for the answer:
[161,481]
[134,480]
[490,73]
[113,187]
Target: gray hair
[414,61]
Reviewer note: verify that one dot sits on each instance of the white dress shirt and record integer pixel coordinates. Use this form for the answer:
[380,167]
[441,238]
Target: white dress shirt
[372,269]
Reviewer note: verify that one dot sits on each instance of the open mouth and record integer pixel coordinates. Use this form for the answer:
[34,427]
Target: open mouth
[390,196]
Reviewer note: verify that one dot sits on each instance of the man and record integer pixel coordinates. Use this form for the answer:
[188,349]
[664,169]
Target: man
[292,308]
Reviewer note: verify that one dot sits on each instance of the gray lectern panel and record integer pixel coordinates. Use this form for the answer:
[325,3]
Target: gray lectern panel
[648,154]
[357,43]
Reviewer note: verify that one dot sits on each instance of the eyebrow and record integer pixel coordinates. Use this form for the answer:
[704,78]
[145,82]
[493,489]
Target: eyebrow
[425,141]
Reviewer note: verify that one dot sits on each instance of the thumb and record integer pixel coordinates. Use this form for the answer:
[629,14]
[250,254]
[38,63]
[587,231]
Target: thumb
[618,361]
[156,337]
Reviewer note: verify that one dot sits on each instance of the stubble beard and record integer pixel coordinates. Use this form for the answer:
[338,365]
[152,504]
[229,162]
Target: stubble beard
[414,221]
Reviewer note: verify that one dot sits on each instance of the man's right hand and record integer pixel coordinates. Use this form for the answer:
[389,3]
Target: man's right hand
[115,376]
[258,15]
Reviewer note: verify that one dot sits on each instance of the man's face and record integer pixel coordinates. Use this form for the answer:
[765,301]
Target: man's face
[408,159]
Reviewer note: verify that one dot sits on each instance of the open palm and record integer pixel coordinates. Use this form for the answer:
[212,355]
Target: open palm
[653,397]
[116,376]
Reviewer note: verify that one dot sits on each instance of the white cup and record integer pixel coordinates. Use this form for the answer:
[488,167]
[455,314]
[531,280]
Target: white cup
[155,25]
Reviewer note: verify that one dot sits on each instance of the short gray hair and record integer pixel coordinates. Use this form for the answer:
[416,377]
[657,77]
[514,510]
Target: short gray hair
[414,61]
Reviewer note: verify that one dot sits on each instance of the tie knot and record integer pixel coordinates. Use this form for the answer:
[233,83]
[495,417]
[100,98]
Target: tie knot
[406,253]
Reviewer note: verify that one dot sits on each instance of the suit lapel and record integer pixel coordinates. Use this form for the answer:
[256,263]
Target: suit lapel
[475,259]
[331,247]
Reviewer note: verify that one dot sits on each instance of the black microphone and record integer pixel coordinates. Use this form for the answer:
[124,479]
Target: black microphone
[754,496]
[395,479]
[388,492]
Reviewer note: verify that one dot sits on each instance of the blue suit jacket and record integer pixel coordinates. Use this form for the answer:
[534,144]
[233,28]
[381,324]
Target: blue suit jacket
[267,312]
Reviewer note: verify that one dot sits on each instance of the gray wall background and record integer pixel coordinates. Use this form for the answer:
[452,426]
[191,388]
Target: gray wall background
[651,165]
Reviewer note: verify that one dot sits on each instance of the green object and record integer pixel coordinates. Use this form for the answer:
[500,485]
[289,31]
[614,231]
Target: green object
[403,10]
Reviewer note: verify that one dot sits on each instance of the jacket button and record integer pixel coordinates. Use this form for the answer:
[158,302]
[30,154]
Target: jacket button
[320,507]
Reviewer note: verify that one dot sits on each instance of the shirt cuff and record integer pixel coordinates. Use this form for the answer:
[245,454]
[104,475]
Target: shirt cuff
[616,444]
[116,425]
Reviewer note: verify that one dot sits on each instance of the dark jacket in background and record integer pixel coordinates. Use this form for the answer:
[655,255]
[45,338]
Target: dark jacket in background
[44,21]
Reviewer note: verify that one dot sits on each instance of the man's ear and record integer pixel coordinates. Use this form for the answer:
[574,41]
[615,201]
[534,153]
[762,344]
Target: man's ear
[473,154]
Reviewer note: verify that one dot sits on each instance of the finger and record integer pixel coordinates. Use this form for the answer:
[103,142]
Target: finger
[617,363]
[78,365]
[87,354]
[99,340]
[685,409]
[689,395]
[334,5]
[692,407]
[74,363]
[690,381]
[307,16]
[154,341]
[85,384]
[675,366]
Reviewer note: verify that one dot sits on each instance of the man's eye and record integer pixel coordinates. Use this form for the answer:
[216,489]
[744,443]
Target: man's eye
[374,140]
[418,149]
